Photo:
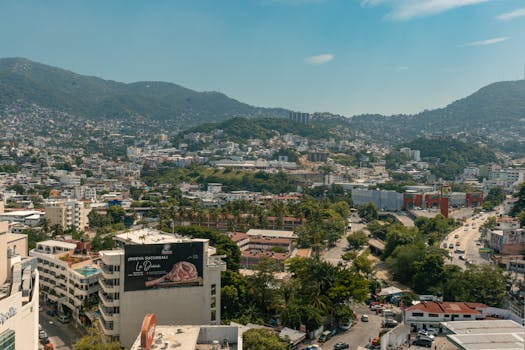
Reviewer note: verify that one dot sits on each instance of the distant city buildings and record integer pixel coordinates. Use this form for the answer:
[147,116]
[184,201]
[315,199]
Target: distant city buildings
[69,213]
[298,117]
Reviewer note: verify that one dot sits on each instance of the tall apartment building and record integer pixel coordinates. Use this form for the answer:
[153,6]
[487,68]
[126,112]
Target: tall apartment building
[18,293]
[298,117]
[176,278]
[68,277]
[67,214]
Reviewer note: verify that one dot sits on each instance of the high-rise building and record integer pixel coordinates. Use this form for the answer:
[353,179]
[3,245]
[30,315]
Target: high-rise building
[66,214]
[298,117]
[176,278]
[18,293]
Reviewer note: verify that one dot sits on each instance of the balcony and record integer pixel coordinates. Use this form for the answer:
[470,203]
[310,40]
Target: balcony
[108,288]
[106,315]
[107,273]
[107,328]
[107,300]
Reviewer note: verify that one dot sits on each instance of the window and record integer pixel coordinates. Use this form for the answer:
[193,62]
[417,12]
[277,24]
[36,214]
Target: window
[213,315]
[7,340]
[213,289]
[446,315]
[417,314]
[466,316]
[433,315]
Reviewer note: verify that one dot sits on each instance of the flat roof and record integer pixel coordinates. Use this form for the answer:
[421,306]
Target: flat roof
[271,233]
[152,236]
[486,335]
[61,244]
[20,213]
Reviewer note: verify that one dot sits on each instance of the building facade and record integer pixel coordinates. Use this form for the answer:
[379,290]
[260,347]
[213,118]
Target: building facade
[67,214]
[176,278]
[18,293]
[68,277]
[431,313]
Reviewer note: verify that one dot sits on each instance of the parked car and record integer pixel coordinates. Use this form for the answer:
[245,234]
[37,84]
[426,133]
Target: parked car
[341,346]
[42,334]
[345,325]
[424,333]
[462,257]
[458,244]
[423,342]
[451,246]
[325,336]
[389,323]
[432,330]
[51,312]
[364,318]
[313,347]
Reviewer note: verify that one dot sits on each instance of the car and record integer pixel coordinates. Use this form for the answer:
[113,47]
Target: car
[423,342]
[425,333]
[63,319]
[374,307]
[345,325]
[51,312]
[458,244]
[325,336]
[364,318]
[459,251]
[451,246]
[42,334]
[341,346]
[462,257]
[389,323]
[432,331]
[313,347]
[478,243]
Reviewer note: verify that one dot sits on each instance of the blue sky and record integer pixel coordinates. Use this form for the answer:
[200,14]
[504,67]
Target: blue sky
[340,56]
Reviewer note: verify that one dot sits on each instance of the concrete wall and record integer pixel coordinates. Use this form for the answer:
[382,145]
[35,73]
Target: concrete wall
[395,337]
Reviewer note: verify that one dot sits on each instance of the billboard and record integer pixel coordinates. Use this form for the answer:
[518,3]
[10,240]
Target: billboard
[155,266]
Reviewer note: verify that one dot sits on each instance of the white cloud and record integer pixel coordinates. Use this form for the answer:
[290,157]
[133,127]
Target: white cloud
[402,10]
[319,59]
[511,15]
[487,42]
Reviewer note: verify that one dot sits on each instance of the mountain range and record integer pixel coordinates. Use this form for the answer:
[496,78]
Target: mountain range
[495,114]
[95,98]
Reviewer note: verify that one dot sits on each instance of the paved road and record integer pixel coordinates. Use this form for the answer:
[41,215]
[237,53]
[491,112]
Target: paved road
[333,255]
[467,237]
[63,336]
[360,333]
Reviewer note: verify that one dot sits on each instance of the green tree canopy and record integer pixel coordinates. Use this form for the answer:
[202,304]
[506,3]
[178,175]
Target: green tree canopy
[262,339]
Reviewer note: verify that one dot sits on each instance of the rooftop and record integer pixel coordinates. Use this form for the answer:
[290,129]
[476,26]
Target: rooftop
[193,337]
[447,307]
[271,233]
[55,243]
[150,236]
[486,335]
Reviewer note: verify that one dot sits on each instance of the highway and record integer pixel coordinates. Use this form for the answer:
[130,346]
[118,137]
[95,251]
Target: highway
[467,237]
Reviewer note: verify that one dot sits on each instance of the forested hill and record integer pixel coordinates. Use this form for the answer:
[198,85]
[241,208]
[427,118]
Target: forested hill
[448,157]
[242,129]
[91,97]
[494,114]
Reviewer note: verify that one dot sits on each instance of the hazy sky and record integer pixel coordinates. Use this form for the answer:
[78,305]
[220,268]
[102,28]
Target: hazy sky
[341,56]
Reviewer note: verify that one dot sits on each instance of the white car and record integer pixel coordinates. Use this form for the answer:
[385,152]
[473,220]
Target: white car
[425,333]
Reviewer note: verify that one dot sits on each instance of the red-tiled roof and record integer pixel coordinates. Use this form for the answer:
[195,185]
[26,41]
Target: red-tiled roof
[447,307]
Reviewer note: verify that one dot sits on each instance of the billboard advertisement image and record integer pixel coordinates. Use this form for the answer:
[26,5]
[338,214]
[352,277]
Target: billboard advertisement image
[156,266]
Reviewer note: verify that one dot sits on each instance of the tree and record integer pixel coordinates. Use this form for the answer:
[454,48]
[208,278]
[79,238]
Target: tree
[95,340]
[367,211]
[262,339]
[357,239]
[429,273]
[520,203]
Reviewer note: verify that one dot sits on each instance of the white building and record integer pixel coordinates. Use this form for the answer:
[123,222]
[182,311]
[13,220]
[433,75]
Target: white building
[18,293]
[26,217]
[431,313]
[176,278]
[195,337]
[68,277]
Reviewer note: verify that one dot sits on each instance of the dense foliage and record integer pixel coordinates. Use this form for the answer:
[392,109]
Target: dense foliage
[448,157]
[262,339]
[232,180]
[241,129]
